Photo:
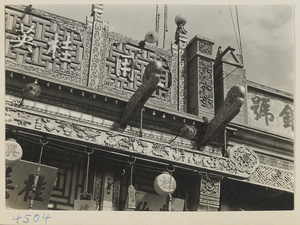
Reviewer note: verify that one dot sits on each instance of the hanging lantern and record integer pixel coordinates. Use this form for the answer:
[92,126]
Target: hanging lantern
[13,151]
[164,184]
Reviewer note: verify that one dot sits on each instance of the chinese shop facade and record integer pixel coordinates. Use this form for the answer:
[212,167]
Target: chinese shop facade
[99,121]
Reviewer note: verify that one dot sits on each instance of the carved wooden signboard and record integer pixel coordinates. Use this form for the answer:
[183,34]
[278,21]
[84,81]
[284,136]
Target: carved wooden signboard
[271,114]
[126,63]
[43,44]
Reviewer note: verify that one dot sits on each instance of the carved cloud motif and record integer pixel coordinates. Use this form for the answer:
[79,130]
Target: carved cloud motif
[244,158]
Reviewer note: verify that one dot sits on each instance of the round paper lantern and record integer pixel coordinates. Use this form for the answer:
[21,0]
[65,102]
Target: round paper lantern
[164,184]
[13,151]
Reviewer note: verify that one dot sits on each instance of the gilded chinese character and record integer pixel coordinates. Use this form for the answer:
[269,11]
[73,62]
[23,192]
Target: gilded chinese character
[53,46]
[288,117]
[24,38]
[30,193]
[66,48]
[261,109]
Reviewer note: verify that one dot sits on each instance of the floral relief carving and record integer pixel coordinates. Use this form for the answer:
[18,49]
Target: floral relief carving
[241,168]
[66,127]
[7,115]
[210,187]
[205,47]
[23,119]
[89,134]
[139,146]
[49,125]
[111,140]
[178,154]
[159,150]
[244,158]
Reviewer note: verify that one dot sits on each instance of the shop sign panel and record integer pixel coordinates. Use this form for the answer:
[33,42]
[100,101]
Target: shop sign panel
[20,178]
[271,114]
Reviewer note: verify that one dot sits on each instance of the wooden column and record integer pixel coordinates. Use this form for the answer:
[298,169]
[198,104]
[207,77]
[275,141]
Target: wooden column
[200,81]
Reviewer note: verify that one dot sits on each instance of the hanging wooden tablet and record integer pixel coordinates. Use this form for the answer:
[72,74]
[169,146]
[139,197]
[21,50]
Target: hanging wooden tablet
[131,192]
[85,201]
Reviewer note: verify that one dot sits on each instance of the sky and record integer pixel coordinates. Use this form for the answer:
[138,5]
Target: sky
[267,32]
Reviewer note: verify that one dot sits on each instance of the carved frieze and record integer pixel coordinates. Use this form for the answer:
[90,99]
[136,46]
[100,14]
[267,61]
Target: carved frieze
[78,130]
[74,130]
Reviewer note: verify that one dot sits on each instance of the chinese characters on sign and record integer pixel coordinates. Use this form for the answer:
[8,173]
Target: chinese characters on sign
[23,39]
[288,117]
[20,183]
[61,49]
[271,114]
[28,189]
[261,107]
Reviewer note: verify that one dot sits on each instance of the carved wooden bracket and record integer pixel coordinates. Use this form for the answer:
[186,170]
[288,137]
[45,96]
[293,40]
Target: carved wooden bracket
[150,81]
[231,107]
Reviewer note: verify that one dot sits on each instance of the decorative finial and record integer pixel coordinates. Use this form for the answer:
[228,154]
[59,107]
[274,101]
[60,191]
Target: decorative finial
[97,8]
[180,20]
[219,52]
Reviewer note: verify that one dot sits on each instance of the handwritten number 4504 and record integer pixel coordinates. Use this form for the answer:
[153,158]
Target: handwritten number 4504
[30,218]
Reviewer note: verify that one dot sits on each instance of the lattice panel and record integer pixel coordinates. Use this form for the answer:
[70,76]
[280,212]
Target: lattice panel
[126,64]
[43,44]
[69,183]
[273,177]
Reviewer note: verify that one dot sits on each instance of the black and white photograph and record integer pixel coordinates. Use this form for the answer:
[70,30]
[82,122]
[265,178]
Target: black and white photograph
[185,110]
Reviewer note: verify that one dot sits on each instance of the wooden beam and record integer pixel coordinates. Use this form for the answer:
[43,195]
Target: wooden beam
[150,81]
[231,107]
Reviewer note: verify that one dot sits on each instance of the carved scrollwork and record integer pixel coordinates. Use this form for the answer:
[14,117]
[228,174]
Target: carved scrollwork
[245,159]
[210,187]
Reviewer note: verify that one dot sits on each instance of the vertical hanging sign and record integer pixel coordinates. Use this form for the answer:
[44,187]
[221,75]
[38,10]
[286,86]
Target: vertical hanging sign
[131,190]
[21,177]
